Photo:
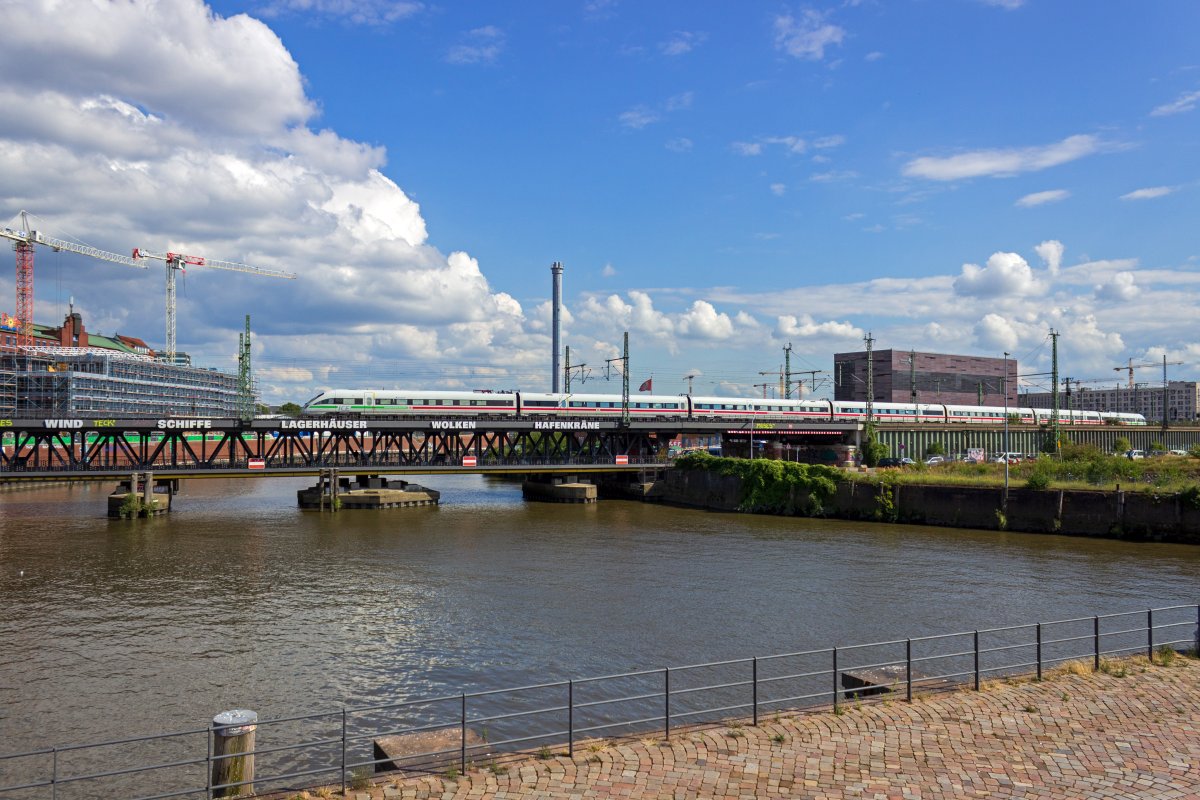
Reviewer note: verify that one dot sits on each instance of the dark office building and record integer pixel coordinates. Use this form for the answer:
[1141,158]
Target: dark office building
[935,377]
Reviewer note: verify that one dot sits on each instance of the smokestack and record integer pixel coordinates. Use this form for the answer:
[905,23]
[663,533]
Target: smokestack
[556,271]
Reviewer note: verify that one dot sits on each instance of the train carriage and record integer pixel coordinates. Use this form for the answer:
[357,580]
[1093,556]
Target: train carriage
[438,402]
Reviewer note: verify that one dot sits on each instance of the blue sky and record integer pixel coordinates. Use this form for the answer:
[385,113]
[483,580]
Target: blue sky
[719,179]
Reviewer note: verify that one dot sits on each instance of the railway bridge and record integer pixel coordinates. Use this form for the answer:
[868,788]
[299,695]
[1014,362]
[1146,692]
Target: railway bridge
[84,448]
[91,449]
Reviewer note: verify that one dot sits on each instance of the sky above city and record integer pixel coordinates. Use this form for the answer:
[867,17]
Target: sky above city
[719,180]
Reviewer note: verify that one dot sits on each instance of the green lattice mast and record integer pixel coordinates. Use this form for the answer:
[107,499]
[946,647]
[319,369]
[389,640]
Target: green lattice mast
[245,376]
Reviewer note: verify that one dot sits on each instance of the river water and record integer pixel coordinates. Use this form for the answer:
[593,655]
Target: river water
[238,599]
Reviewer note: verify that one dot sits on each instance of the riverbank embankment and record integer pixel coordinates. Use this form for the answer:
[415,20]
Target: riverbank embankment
[826,492]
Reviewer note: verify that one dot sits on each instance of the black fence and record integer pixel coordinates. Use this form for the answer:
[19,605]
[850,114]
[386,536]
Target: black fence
[455,733]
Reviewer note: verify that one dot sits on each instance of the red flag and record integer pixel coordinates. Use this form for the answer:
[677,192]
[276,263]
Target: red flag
[646,385]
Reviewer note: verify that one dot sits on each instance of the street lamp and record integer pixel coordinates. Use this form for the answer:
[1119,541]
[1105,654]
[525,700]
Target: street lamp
[1005,385]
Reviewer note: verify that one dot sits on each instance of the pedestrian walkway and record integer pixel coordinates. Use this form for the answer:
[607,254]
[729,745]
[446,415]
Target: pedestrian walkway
[1071,736]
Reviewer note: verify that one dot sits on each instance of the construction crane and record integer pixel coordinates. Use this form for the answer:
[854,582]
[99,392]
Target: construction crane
[1132,366]
[177,262]
[23,242]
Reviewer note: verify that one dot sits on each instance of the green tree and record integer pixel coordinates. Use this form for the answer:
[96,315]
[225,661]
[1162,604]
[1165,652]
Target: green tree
[872,449]
[290,409]
[1122,444]
[935,449]
[1157,447]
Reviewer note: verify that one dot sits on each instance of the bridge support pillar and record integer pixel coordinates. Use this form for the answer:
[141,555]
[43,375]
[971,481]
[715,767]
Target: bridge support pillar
[558,489]
[136,497]
[367,491]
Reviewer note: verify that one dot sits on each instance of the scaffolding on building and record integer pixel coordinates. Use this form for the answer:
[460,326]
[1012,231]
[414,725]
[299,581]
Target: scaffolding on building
[74,381]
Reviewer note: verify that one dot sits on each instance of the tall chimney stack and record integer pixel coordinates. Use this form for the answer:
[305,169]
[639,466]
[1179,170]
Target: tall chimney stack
[556,271]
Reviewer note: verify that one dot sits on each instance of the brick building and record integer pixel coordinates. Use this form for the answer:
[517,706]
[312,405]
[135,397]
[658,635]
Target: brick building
[938,378]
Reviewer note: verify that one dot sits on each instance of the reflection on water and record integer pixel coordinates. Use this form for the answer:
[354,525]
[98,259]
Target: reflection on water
[238,599]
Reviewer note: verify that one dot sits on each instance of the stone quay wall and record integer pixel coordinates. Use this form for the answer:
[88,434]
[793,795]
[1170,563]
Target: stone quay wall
[1115,514]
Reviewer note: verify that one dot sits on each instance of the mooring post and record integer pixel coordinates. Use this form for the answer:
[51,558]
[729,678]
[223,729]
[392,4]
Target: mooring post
[1039,651]
[233,753]
[1197,652]
[754,683]
[836,688]
[148,493]
[977,661]
[908,669]
[1150,633]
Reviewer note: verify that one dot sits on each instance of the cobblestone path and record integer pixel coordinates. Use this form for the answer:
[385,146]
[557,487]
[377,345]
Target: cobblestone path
[1071,736]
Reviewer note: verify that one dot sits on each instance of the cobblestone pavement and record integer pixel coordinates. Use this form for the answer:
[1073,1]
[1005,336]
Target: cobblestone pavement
[1093,735]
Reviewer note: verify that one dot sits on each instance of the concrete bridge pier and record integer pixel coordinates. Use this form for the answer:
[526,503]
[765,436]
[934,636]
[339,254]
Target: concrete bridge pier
[648,485]
[365,491]
[142,496]
[553,488]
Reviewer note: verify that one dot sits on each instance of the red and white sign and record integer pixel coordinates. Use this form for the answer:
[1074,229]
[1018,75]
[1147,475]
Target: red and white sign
[622,459]
[468,461]
[256,463]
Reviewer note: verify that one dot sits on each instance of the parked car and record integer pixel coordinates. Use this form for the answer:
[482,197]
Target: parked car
[1134,455]
[934,460]
[895,462]
[1179,452]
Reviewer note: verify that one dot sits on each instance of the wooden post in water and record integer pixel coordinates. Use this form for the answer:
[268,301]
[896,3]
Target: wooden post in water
[233,753]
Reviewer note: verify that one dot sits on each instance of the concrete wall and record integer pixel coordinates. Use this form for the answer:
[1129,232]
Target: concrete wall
[1078,513]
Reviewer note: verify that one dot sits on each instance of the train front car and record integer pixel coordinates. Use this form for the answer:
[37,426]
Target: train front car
[333,401]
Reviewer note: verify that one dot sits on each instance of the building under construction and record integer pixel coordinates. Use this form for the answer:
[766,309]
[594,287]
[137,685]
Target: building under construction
[71,372]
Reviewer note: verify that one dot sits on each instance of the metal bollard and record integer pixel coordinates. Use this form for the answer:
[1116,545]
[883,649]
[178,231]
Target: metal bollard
[233,753]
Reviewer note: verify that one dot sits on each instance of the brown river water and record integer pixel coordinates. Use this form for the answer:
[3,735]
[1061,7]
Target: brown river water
[239,599]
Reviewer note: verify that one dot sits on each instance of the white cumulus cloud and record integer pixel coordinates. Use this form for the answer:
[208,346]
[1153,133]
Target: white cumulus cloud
[203,143]
[1051,252]
[1005,275]
[995,333]
[702,321]
[1120,287]
[804,326]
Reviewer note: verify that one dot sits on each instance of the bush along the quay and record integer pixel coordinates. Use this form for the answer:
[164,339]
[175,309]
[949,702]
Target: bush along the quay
[772,487]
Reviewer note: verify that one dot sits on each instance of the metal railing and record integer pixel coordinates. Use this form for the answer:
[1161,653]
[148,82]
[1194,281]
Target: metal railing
[487,728]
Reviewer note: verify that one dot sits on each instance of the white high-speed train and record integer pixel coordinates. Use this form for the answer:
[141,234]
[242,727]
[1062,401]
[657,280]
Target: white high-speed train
[437,402]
